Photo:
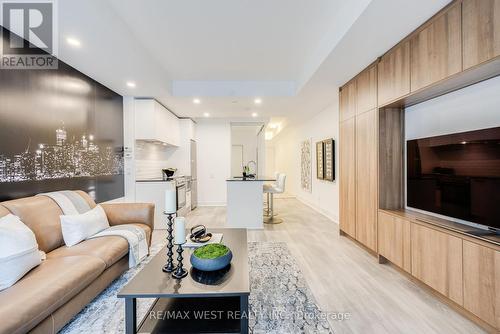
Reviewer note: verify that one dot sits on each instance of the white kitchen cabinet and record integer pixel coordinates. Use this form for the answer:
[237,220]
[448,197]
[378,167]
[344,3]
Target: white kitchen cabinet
[154,192]
[153,122]
[172,129]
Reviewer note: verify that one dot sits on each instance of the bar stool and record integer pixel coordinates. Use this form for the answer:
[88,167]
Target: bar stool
[278,188]
[267,187]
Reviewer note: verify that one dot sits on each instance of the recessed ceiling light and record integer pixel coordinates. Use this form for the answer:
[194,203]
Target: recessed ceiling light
[254,114]
[196,101]
[273,126]
[73,42]
[206,114]
[257,101]
[131,84]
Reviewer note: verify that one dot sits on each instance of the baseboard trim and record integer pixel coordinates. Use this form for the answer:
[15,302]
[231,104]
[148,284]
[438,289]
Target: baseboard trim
[319,210]
[284,196]
[212,204]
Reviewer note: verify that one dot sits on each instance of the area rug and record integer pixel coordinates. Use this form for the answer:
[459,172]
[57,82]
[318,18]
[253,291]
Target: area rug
[280,301]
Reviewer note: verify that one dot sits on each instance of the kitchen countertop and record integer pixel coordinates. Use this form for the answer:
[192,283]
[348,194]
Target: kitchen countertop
[187,178]
[154,180]
[256,178]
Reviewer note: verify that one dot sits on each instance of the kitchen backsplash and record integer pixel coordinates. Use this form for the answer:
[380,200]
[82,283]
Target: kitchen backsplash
[150,159]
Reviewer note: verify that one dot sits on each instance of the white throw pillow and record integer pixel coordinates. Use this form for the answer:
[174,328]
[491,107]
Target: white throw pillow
[18,250]
[76,228]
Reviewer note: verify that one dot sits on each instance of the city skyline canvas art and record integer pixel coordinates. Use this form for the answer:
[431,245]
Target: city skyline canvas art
[66,155]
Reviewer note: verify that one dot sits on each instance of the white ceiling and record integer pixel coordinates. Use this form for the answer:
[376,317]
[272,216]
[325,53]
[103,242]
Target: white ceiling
[228,40]
[291,53]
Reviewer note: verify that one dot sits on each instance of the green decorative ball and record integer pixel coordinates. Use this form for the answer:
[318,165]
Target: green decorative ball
[211,251]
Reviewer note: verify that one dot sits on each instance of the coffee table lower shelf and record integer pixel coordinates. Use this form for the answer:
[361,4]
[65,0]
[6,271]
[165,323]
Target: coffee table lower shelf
[197,315]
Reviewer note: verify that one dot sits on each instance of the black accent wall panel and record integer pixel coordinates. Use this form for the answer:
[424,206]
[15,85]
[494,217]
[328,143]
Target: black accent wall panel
[59,129]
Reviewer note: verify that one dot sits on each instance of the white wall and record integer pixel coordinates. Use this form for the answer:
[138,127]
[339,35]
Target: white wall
[472,108]
[253,141]
[214,155]
[245,136]
[325,195]
[261,157]
[270,167]
[129,143]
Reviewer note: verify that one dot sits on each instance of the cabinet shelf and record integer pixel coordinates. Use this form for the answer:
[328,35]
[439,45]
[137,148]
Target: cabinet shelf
[470,232]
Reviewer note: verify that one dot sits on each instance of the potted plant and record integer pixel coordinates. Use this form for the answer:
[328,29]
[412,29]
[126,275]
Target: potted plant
[211,257]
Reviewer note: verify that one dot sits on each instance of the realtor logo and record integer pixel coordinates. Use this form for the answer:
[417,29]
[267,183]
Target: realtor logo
[28,35]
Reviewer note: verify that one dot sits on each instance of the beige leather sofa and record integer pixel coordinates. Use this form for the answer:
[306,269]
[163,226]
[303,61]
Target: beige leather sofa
[46,298]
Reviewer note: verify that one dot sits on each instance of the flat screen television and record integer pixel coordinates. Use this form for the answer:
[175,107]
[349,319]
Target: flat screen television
[456,175]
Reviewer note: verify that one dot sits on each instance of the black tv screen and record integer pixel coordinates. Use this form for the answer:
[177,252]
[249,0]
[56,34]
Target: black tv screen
[456,175]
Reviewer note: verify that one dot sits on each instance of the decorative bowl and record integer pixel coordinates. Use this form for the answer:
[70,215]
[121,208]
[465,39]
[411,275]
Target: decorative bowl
[211,257]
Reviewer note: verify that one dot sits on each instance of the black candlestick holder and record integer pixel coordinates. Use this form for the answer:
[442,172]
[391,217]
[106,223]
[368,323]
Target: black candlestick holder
[169,267]
[179,272]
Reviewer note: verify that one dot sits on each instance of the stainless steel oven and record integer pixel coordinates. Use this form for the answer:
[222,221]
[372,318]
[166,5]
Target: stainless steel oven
[181,188]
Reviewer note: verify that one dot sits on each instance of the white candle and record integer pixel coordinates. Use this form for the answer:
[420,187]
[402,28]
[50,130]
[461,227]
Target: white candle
[180,230]
[170,201]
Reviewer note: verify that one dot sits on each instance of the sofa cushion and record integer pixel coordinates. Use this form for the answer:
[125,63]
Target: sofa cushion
[41,215]
[78,227]
[110,249]
[44,289]
[18,250]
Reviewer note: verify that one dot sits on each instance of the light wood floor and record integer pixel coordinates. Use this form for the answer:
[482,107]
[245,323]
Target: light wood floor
[345,278]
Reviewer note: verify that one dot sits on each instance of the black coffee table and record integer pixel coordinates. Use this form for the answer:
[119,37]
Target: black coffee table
[202,302]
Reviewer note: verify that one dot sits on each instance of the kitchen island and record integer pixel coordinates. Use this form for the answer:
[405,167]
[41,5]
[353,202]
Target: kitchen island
[153,191]
[245,201]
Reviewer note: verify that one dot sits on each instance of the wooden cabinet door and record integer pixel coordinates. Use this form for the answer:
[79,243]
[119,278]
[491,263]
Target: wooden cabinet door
[394,74]
[436,50]
[348,100]
[482,282]
[436,260]
[348,177]
[394,240]
[366,87]
[390,238]
[481,31]
[366,179]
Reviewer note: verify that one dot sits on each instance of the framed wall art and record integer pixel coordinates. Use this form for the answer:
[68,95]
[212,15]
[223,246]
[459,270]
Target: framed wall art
[305,163]
[329,159]
[320,161]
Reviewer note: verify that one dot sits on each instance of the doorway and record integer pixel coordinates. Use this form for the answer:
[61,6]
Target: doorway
[236,160]
[247,148]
